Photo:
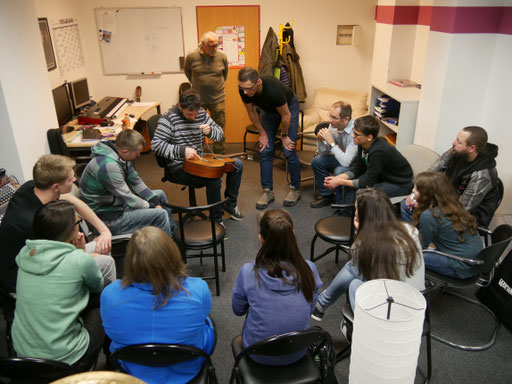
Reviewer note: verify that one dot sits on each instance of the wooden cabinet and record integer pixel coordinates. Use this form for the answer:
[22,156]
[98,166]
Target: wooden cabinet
[408,99]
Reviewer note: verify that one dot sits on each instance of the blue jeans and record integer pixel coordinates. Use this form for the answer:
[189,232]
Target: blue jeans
[213,186]
[441,264]
[340,284]
[270,123]
[392,190]
[133,219]
[323,166]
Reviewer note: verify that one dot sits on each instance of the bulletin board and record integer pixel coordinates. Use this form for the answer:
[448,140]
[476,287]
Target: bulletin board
[136,41]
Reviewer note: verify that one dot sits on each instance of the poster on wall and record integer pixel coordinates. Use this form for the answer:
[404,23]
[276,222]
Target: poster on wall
[47,44]
[68,47]
[232,43]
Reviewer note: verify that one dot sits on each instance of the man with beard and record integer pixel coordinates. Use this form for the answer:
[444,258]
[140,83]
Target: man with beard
[471,167]
[179,135]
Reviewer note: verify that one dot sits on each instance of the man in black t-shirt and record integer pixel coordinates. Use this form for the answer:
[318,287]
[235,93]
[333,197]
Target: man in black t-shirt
[279,106]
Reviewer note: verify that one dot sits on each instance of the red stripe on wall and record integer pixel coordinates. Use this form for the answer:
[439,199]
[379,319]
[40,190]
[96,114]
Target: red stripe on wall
[449,19]
[425,15]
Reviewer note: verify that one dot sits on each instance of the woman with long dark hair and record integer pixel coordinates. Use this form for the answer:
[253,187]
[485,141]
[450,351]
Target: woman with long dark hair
[278,290]
[444,224]
[384,248]
[157,303]
[54,317]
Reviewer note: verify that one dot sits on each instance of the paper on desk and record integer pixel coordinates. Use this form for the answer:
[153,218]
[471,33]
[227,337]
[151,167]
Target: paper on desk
[140,104]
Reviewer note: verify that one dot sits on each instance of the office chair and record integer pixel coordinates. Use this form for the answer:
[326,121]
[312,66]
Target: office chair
[306,370]
[198,234]
[163,355]
[33,370]
[336,230]
[485,262]
[484,232]
[152,123]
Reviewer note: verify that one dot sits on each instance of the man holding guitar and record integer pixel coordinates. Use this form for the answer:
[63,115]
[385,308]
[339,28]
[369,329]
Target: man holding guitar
[179,136]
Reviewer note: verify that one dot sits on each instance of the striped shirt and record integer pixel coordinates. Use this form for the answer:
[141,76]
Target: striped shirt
[174,134]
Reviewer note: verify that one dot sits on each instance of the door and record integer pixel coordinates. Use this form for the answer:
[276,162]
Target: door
[208,19]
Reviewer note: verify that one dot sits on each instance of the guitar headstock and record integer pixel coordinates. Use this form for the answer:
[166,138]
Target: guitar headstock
[138,93]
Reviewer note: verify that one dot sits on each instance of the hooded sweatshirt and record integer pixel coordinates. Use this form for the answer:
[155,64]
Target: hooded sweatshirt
[54,280]
[273,307]
[109,184]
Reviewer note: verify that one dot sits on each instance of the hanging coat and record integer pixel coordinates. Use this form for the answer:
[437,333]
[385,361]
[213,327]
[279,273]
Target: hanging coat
[269,53]
[291,59]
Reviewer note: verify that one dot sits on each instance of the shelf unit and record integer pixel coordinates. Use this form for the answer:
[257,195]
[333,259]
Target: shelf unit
[408,99]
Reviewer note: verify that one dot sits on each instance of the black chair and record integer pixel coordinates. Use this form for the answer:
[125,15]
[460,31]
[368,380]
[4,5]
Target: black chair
[486,261]
[246,370]
[33,370]
[484,232]
[336,230]
[8,307]
[151,124]
[348,318]
[163,355]
[195,233]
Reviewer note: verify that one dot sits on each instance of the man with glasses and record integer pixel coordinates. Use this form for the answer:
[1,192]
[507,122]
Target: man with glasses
[279,107]
[207,69]
[336,151]
[377,164]
[53,179]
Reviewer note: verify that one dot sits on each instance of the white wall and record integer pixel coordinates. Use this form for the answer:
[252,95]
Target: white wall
[323,62]
[26,103]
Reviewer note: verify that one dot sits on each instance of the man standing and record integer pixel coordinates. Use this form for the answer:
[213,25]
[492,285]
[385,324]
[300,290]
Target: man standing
[179,136]
[279,106]
[377,164]
[207,69]
[471,167]
[336,151]
[113,189]
[53,179]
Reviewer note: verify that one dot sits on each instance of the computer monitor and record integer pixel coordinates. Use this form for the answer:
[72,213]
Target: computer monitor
[80,93]
[62,105]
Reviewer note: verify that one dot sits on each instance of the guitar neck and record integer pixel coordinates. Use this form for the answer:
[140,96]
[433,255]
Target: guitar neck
[230,155]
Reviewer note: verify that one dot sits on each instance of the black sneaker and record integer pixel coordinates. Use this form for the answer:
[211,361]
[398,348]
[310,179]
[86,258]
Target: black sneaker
[225,230]
[234,212]
[323,201]
[317,315]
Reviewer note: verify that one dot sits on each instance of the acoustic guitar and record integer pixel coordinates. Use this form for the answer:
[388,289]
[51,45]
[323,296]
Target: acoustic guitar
[141,126]
[210,165]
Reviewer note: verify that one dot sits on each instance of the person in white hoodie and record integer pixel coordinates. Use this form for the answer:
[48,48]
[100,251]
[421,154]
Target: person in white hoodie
[54,316]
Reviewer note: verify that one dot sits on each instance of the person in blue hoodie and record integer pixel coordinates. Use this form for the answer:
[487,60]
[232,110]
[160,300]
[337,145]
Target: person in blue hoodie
[157,303]
[278,290]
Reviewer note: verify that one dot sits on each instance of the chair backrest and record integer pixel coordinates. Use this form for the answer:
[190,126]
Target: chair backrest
[419,157]
[33,369]
[490,255]
[319,126]
[151,124]
[56,142]
[286,343]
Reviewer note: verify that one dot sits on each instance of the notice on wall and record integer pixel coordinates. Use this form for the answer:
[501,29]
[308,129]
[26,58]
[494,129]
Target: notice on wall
[68,47]
[232,43]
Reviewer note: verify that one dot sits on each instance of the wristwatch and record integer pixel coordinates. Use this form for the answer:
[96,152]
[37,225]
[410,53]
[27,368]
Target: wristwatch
[333,144]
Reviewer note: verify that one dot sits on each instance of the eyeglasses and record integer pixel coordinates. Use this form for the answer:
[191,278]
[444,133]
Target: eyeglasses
[212,45]
[333,117]
[357,134]
[247,89]
[78,222]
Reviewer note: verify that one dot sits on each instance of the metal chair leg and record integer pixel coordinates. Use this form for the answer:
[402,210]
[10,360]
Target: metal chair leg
[481,347]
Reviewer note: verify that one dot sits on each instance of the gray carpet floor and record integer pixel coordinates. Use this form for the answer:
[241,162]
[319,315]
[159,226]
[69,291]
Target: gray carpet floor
[449,316]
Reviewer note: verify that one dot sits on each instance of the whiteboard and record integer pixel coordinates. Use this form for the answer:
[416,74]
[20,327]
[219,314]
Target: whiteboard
[140,40]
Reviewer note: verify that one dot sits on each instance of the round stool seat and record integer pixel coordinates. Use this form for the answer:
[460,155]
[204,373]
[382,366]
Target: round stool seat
[199,232]
[251,128]
[334,229]
[100,377]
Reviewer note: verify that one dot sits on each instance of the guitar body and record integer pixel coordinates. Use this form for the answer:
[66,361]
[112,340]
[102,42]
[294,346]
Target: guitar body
[210,166]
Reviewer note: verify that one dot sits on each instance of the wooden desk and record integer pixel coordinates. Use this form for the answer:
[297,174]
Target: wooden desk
[73,139]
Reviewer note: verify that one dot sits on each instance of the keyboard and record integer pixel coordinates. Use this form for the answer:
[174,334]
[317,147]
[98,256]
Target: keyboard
[107,107]
[91,134]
